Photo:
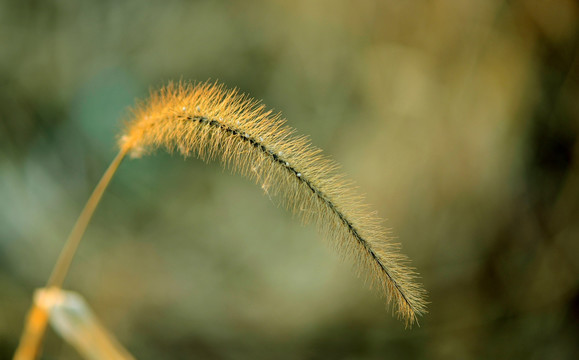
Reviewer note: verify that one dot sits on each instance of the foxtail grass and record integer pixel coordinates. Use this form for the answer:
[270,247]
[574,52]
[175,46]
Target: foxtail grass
[212,123]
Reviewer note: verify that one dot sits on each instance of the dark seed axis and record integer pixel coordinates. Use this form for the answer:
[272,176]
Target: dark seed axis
[277,158]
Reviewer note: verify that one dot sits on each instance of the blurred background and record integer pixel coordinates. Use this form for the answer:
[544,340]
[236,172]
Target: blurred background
[457,119]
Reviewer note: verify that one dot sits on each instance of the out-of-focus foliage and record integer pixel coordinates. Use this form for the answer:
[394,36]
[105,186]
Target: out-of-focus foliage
[458,119]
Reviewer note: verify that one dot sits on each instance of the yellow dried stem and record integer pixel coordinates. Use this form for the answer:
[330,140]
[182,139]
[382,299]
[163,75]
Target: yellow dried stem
[32,334]
[37,320]
[67,254]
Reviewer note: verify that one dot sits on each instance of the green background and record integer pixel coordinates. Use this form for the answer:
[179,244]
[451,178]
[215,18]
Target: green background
[457,119]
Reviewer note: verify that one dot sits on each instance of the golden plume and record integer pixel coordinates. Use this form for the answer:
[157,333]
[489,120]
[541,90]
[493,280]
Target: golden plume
[215,123]
[212,122]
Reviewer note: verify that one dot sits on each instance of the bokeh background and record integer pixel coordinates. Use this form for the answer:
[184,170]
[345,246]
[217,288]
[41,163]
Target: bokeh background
[457,119]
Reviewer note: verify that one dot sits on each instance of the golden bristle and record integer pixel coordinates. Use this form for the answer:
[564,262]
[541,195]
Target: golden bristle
[212,122]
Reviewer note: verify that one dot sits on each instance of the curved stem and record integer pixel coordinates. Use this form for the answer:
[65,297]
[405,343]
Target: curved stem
[37,320]
[67,254]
